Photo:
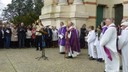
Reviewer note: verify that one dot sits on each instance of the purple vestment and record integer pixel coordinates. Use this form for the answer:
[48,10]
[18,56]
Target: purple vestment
[73,41]
[62,32]
[104,29]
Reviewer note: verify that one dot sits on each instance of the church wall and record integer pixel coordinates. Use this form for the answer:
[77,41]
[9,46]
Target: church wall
[117,1]
[53,14]
[103,2]
[109,10]
[91,9]
[125,11]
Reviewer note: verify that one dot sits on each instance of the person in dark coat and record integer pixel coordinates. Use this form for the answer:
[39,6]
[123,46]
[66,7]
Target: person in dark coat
[7,36]
[1,37]
[48,37]
[83,33]
[21,35]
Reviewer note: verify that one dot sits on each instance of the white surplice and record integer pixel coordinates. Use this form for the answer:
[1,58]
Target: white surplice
[109,40]
[98,47]
[91,40]
[102,49]
[123,46]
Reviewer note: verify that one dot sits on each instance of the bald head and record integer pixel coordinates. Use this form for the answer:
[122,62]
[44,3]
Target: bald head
[108,21]
[70,24]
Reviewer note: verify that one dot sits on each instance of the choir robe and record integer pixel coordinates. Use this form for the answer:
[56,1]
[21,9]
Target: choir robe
[72,42]
[104,56]
[102,49]
[123,46]
[61,41]
[91,40]
[109,41]
[104,28]
[98,48]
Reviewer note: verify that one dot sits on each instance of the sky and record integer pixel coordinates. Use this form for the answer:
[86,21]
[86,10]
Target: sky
[3,4]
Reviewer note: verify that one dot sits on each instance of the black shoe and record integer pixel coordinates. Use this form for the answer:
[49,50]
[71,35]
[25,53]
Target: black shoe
[62,52]
[69,57]
[100,60]
[91,58]
[120,67]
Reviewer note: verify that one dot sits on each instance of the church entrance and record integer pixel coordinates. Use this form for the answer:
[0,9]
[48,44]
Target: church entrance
[118,13]
[99,14]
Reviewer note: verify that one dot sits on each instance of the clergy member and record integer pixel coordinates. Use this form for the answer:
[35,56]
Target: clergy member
[91,40]
[108,41]
[104,28]
[123,45]
[104,56]
[97,44]
[72,41]
[61,35]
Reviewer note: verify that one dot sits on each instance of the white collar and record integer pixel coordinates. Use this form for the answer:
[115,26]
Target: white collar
[105,26]
[112,25]
[92,30]
[71,27]
[63,25]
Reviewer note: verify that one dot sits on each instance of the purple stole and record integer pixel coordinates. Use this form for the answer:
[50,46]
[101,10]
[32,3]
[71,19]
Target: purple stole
[108,53]
[105,48]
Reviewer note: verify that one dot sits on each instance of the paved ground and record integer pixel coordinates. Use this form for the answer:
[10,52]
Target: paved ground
[23,60]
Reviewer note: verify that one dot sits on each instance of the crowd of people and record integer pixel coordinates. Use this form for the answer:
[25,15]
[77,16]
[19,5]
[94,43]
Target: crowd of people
[107,43]
[21,36]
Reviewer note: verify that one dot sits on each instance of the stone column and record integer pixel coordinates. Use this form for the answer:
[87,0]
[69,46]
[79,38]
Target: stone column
[91,8]
[125,8]
[62,2]
[78,2]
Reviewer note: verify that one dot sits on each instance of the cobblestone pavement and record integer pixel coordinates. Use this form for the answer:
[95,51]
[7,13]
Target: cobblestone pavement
[23,60]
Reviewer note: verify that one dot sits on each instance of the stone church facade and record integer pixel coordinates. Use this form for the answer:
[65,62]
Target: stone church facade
[89,12]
